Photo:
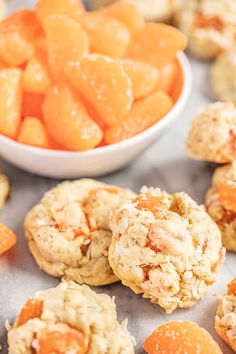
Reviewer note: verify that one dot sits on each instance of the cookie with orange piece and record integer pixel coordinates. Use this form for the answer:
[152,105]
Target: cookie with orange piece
[177,337]
[7,238]
[224,320]
[46,325]
[221,203]
[165,247]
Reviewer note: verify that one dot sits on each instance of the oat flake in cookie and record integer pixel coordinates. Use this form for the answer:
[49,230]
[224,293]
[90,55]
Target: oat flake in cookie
[68,231]
[165,247]
[69,319]
[212,136]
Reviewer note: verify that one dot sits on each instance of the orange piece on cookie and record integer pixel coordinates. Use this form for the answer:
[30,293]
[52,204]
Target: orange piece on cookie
[105,84]
[7,239]
[125,12]
[156,44]
[143,114]
[69,8]
[227,192]
[11,101]
[33,308]
[231,287]
[17,37]
[107,35]
[181,337]
[68,121]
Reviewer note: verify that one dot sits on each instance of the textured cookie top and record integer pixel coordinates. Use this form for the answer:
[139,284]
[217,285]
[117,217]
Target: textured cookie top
[209,24]
[223,76]
[225,320]
[69,319]
[165,246]
[68,231]
[212,136]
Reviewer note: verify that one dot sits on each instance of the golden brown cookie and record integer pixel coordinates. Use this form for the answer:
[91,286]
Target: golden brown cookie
[221,203]
[68,232]
[69,319]
[165,247]
[212,136]
[210,26]
[225,320]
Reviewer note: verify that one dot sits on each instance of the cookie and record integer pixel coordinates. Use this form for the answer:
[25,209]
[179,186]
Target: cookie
[68,232]
[223,76]
[165,247]
[225,323]
[209,25]
[212,136]
[221,203]
[4,188]
[69,319]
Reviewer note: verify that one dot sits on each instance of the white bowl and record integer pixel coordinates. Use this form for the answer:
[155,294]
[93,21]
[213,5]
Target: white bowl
[99,161]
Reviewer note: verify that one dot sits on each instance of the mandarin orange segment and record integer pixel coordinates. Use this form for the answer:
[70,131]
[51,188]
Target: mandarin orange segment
[11,100]
[33,132]
[152,203]
[181,337]
[142,115]
[107,35]
[227,191]
[167,77]
[178,83]
[33,308]
[68,121]
[32,104]
[36,75]
[156,44]
[66,41]
[69,8]
[17,35]
[143,77]
[7,238]
[231,287]
[125,12]
[58,342]
[104,83]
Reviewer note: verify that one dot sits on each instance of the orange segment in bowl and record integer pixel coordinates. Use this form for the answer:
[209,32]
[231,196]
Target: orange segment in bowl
[143,77]
[181,337]
[11,100]
[107,35]
[32,104]
[156,44]
[33,132]
[69,8]
[36,75]
[142,115]
[66,40]
[167,77]
[104,83]
[7,238]
[17,35]
[68,121]
[125,12]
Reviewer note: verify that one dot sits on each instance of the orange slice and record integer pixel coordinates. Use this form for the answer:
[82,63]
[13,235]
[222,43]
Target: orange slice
[104,83]
[142,115]
[181,337]
[68,121]
[156,44]
[7,239]
[36,75]
[10,91]
[107,35]
[32,104]
[227,191]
